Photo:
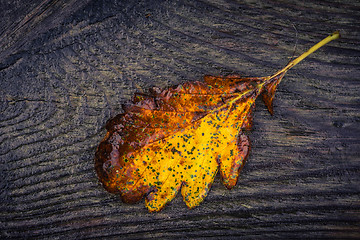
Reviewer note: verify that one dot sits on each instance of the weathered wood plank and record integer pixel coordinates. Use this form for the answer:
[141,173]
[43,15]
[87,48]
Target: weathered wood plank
[67,66]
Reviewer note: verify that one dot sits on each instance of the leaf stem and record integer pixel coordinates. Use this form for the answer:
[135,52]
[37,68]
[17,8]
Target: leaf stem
[331,37]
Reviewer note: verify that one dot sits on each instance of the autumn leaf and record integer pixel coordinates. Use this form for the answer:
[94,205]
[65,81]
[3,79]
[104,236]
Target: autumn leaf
[179,138]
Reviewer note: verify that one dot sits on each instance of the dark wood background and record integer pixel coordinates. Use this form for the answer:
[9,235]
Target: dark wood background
[67,66]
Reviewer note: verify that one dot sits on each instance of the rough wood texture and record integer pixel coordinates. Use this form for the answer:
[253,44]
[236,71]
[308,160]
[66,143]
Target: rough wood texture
[67,66]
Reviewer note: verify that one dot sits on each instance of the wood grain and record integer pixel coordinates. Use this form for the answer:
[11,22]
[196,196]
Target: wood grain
[67,66]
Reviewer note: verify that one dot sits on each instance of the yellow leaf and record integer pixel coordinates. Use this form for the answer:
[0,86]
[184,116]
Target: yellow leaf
[178,138]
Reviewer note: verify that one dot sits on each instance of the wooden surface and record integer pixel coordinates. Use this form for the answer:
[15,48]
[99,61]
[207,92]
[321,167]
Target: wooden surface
[67,66]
